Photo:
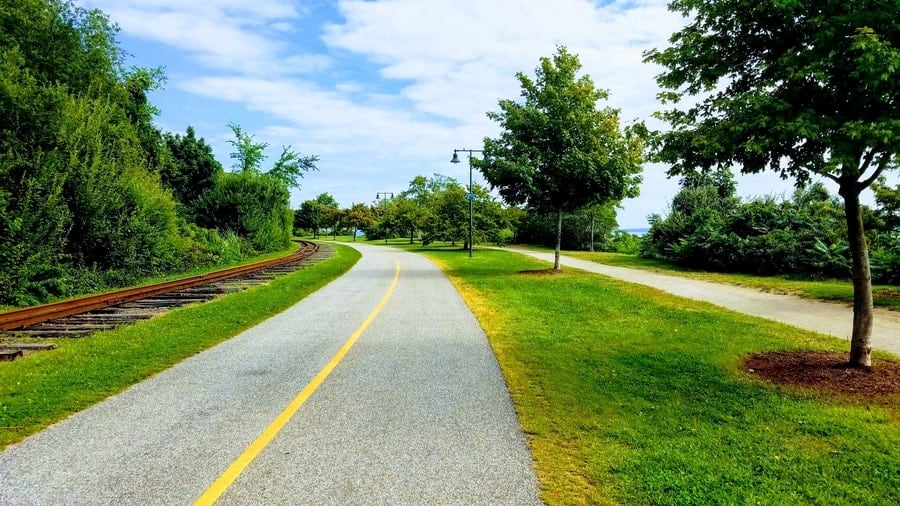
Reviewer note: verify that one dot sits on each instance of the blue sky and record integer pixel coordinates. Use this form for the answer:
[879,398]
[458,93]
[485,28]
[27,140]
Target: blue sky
[384,90]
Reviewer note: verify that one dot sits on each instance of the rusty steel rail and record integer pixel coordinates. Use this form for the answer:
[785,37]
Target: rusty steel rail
[23,317]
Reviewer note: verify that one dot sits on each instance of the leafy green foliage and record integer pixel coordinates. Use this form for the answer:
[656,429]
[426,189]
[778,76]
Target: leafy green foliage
[248,155]
[92,195]
[290,167]
[192,168]
[557,152]
[797,87]
[402,215]
[251,206]
[806,87]
[359,217]
[576,229]
[805,235]
[624,242]
[888,204]
[438,209]
[77,192]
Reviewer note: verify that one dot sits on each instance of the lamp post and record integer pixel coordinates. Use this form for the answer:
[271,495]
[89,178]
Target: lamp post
[383,196]
[469,196]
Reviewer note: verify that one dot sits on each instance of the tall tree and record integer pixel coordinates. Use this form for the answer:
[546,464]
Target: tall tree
[360,217]
[248,154]
[309,216]
[331,212]
[78,156]
[800,88]
[558,152]
[403,214]
[602,217]
[290,167]
[192,168]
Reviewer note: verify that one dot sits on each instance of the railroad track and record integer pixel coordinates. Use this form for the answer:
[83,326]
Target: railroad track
[82,316]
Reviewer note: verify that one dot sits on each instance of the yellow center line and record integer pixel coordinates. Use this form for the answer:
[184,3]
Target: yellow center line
[212,494]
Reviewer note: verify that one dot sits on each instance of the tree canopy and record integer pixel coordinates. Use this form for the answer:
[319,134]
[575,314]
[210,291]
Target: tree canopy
[800,88]
[557,151]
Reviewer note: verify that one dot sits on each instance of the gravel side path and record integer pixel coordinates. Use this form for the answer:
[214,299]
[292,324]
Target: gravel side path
[834,319]
[417,412]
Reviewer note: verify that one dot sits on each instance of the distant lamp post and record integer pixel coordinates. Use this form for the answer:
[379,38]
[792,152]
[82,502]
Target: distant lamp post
[469,196]
[383,197]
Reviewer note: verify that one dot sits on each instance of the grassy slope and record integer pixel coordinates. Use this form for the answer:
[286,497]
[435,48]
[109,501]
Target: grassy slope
[632,396]
[43,388]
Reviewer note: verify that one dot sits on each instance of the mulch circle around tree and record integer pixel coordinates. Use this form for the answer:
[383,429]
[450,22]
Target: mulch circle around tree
[827,371]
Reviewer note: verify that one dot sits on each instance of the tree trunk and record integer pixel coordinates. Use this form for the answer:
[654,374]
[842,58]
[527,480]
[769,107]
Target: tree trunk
[860,341]
[412,233]
[592,233]
[558,240]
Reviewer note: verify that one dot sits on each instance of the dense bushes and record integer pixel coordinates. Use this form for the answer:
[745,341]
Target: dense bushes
[92,194]
[707,227]
[248,205]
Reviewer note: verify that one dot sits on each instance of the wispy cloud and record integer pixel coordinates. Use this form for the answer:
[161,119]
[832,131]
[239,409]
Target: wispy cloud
[386,89]
[235,36]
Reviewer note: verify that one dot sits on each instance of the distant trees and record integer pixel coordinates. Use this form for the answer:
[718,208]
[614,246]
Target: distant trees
[315,214]
[359,217]
[557,151]
[436,208]
[577,230]
[799,88]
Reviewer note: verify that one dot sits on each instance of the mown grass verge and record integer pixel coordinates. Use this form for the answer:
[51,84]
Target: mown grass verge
[629,395]
[887,296]
[42,388]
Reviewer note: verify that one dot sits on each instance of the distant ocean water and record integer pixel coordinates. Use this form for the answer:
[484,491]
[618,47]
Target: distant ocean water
[636,231]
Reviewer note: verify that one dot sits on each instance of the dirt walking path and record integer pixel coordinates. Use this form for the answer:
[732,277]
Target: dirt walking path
[831,318]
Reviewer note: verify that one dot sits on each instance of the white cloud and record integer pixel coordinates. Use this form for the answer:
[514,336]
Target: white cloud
[230,35]
[395,85]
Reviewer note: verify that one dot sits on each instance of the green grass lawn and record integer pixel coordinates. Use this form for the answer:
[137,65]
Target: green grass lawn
[629,395]
[828,289]
[45,387]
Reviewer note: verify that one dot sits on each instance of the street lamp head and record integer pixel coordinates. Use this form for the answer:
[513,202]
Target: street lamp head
[455,158]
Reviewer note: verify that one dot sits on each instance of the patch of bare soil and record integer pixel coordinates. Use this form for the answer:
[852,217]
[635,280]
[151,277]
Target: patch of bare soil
[542,272]
[826,371]
[886,294]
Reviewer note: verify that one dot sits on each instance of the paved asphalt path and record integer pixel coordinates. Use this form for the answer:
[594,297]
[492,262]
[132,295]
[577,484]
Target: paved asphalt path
[834,319]
[416,413]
